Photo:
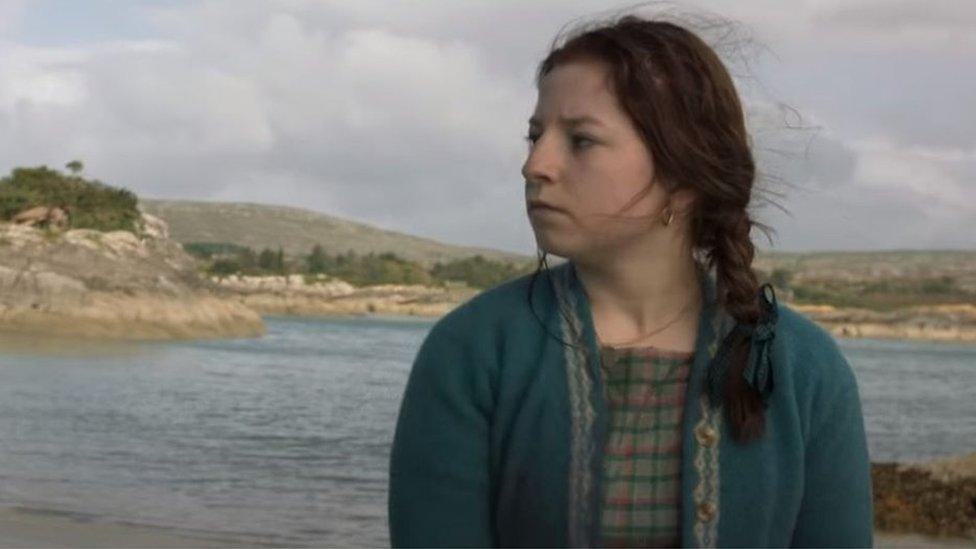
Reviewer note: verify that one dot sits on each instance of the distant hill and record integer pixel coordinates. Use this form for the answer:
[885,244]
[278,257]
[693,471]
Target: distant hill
[297,230]
[876,265]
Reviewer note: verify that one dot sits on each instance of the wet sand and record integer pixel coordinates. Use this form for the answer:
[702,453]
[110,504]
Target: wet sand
[20,527]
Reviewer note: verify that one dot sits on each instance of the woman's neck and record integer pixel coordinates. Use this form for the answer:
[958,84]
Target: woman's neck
[637,294]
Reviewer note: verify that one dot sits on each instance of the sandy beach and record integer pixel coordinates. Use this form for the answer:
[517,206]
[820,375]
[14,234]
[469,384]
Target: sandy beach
[20,527]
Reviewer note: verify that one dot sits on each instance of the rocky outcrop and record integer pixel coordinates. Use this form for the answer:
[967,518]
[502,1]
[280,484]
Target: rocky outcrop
[935,498]
[950,323]
[154,227]
[298,295]
[49,216]
[110,285]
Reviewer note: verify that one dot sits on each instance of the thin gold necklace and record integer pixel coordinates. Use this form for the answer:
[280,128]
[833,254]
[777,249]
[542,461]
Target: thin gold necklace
[645,335]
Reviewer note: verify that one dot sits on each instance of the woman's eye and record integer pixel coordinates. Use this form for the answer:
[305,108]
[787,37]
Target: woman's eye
[577,139]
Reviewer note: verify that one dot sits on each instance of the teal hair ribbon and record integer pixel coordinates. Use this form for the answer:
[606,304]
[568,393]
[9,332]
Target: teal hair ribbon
[758,373]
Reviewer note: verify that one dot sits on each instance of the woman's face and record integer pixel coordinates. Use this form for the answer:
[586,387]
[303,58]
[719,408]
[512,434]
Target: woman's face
[587,159]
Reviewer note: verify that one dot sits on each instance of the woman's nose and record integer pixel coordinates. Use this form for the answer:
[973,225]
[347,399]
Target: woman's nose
[539,166]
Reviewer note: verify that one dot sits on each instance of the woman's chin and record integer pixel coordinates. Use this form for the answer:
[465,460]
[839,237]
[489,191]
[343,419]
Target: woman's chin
[551,245]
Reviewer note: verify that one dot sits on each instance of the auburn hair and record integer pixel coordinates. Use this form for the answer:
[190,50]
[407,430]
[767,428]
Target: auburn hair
[683,102]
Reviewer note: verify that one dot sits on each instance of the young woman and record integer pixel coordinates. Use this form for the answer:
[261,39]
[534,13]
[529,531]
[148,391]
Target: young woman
[647,392]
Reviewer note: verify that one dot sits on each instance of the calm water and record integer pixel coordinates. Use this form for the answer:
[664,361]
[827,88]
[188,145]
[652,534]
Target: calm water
[284,440]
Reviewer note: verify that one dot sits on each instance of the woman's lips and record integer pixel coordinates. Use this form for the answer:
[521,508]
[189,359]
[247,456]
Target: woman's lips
[545,210]
[544,207]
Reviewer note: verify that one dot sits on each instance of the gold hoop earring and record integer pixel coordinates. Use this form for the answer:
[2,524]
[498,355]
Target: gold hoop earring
[670,217]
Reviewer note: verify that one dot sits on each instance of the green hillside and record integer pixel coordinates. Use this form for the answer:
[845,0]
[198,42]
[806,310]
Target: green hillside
[297,231]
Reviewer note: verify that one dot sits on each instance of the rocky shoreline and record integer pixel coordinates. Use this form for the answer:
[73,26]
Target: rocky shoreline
[296,295]
[941,323]
[935,498]
[113,285]
[323,296]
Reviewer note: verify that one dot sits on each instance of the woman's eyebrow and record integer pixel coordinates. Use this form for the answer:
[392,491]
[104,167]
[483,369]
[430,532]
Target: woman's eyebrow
[570,121]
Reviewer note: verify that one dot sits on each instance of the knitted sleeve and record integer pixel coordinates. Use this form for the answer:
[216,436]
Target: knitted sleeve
[439,463]
[837,507]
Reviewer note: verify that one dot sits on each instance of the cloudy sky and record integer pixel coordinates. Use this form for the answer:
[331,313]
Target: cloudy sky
[411,115]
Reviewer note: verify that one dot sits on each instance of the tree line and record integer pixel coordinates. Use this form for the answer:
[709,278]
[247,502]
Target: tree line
[224,259]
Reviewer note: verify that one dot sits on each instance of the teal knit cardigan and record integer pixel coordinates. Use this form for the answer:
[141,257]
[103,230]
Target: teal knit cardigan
[500,435]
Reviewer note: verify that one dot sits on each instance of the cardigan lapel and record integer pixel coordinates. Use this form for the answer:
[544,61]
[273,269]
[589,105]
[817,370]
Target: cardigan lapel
[586,407]
[701,429]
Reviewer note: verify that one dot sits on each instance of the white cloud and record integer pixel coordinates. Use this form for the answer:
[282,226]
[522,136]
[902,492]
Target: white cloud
[868,26]
[11,13]
[40,76]
[895,15]
[922,172]
[898,197]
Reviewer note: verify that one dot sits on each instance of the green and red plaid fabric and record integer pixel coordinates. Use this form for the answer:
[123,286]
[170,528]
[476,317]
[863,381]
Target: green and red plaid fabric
[645,392]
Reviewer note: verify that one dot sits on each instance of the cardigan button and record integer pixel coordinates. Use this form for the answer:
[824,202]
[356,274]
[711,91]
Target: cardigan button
[706,511]
[705,435]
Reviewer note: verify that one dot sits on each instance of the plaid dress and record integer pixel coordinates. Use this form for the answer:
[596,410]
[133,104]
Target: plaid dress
[645,392]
